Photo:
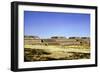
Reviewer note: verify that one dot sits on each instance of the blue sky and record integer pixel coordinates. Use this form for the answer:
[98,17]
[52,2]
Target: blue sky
[48,24]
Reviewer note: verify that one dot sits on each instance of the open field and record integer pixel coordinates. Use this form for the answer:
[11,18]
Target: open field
[52,52]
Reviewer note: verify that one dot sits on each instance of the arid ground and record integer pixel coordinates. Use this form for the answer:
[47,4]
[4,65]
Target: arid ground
[52,52]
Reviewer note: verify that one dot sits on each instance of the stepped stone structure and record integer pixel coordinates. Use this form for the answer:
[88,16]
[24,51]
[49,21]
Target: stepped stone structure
[56,40]
[32,40]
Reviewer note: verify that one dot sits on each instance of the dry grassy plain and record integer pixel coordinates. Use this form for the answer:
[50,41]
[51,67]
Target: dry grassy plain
[55,52]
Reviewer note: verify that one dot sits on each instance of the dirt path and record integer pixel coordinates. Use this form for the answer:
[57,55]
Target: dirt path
[57,49]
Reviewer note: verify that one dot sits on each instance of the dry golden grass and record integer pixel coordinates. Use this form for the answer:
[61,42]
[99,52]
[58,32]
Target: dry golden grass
[52,52]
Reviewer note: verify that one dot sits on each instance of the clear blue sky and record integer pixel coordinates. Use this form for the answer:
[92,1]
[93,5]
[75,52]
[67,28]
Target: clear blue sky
[48,24]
